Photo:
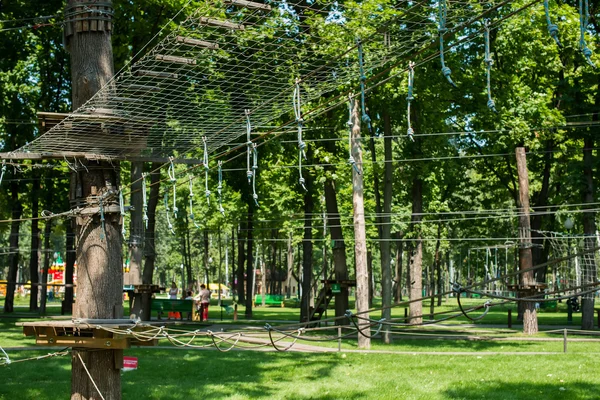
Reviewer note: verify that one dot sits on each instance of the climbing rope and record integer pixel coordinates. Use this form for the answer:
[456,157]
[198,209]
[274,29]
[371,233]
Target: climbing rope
[206,168]
[122,210]
[192,202]
[488,65]
[249,146]
[409,98]
[220,187]
[173,179]
[443,12]
[144,201]
[584,17]
[167,212]
[456,288]
[254,171]
[6,357]
[351,317]
[363,78]
[351,159]
[270,329]
[300,122]
[552,28]
[3,170]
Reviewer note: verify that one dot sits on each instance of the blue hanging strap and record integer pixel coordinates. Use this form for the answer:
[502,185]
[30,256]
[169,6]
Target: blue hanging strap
[488,66]
[409,98]
[442,30]
[552,28]
[584,17]
[248,147]
[192,202]
[144,201]
[254,171]
[171,173]
[167,212]
[300,121]
[3,171]
[363,78]
[351,159]
[220,187]
[122,210]
[206,169]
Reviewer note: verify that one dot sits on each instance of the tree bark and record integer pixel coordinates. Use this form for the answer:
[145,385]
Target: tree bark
[99,258]
[250,274]
[136,235]
[47,257]
[360,238]
[416,267]
[307,244]
[530,325]
[70,267]
[589,230]
[386,228]
[290,267]
[398,264]
[13,257]
[35,243]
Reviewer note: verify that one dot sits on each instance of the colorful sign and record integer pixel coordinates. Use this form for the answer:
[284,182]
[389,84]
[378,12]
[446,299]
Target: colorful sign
[130,363]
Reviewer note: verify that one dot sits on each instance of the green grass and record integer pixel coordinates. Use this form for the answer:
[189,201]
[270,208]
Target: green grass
[188,374]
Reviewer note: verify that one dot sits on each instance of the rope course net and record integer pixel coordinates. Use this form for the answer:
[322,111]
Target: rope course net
[232,56]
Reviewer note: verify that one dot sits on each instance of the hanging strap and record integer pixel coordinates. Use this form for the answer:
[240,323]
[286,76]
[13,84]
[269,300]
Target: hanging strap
[170,225]
[206,169]
[248,147]
[552,28]
[122,210]
[254,171]
[220,187]
[192,202]
[442,30]
[144,201]
[363,78]
[351,159]
[3,171]
[300,122]
[409,98]
[488,66]
[584,17]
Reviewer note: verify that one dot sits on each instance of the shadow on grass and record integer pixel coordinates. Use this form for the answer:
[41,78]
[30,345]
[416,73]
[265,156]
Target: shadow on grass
[497,390]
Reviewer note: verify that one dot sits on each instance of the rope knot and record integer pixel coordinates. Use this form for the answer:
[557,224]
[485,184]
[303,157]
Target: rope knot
[491,105]
[207,193]
[363,78]
[302,181]
[268,327]
[489,62]
[348,314]
[553,30]
[249,175]
[587,52]
[446,71]
[410,97]
[456,288]
[410,132]
[366,119]
[302,145]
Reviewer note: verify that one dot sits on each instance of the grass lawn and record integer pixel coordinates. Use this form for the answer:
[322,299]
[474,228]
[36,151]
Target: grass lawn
[188,374]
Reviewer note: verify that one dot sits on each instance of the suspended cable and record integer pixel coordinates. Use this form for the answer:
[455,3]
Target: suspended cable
[301,145]
[552,28]
[254,171]
[584,16]
[364,116]
[443,14]
[122,212]
[206,169]
[409,98]
[249,143]
[488,65]
[191,179]
[173,179]
[169,224]
[220,187]
[144,201]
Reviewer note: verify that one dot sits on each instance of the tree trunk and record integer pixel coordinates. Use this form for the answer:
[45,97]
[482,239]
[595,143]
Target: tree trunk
[416,267]
[290,267]
[530,325]
[13,257]
[35,243]
[99,244]
[149,240]
[370,277]
[307,244]
[205,258]
[70,267]
[47,257]
[398,264]
[240,265]
[360,238]
[386,219]
[589,230]
[136,235]
[250,273]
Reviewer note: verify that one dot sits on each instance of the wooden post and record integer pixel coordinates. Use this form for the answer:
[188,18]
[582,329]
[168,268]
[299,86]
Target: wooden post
[360,238]
[98,248]
[527,280]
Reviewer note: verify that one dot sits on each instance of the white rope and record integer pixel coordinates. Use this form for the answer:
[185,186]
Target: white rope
[6,357]
[144,200]
[206,169]
[90,376]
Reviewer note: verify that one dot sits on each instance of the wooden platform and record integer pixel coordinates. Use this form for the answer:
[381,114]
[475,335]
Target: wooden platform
[86,333]
[342,282]
[144,288]
[538,287]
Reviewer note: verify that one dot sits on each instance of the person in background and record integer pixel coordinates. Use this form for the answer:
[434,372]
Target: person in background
[173,291]
[203,299]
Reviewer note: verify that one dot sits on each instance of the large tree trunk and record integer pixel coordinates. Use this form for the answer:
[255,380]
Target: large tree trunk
[527,279]
[47,257]
[35,243]
[307,244]
[589,229]
[386,227]
[136,241]
[70,267]
[13,257]
[99,258]
[539,253]
[416,267]
[149,240]
[360,238]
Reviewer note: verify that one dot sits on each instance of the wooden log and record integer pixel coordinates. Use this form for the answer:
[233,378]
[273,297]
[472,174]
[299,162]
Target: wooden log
[221,24]
[176,59]
[197,43]
[249,4]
